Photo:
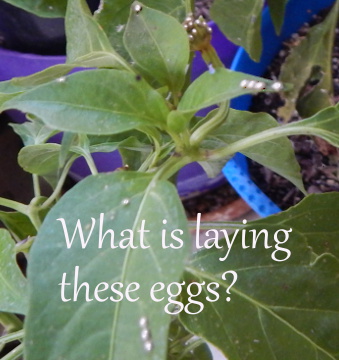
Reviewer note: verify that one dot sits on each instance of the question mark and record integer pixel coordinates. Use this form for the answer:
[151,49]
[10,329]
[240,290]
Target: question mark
[235,277]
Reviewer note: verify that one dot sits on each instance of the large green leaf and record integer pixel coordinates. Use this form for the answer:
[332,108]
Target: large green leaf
[94,102]
[13,296]
[277,12]
[277,310]
[221,85]
[104,330]
[159,46]
[278,154]
[315,219]
[113,16]
[240,21]
[308,62]
[16,86]
[85,35]
[46,8]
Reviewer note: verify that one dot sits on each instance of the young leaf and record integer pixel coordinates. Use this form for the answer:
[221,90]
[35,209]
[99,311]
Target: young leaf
[113,15]
[18,224]
[159,46]
[13,284]
[277,12]
[94,102]
[240,21]
[45,8]
[122,200]
[85,35]
[310,61]
[40,159]
[33,132]
[272,303]
[210,89]
[278,154]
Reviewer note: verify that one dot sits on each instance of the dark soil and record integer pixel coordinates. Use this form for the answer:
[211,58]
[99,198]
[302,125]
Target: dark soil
[318,160]
[210,201]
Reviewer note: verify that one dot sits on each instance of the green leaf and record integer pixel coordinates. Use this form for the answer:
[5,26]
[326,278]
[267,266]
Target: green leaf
[277,12]
[45,8]
[133,152]
[315,220]
[18,224]
[159,46]
[278,154]
[86,36]
[310,61]
[16,86]
[113,16]
[277,310]
[40,159]
[323,124]
[94,102]
[210,89]
[13,284]
[124,199]
[240,21]
[33,132]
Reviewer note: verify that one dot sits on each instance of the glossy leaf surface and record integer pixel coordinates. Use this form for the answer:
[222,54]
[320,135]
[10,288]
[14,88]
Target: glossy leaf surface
[94,102]
[221,85]
[277,310]
[124,199]
[159,46]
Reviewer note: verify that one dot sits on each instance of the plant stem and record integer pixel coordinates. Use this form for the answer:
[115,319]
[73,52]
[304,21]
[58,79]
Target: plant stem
[171,166]
[90,162]
[36,185]
[267,135]
[14,205]
[189,5]
[16,353]
[200,134]
[10,322]
[61,181]
[12,336]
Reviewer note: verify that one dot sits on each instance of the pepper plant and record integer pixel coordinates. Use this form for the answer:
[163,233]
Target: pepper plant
[111,274]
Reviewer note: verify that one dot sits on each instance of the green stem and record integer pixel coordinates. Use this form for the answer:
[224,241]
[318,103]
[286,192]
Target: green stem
[171,166]
[211,57]
[193,345]
[10,322]
[36,185]
[200,134]
[189,5]
[61,181]
[16,353]
[12,337]
[263,136]
[14,205]
[90,162]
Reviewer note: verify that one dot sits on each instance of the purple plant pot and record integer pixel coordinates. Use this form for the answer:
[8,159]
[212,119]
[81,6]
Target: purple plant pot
[191,180]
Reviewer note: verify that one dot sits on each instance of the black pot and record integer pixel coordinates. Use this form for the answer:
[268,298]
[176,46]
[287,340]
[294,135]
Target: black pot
[27,33]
